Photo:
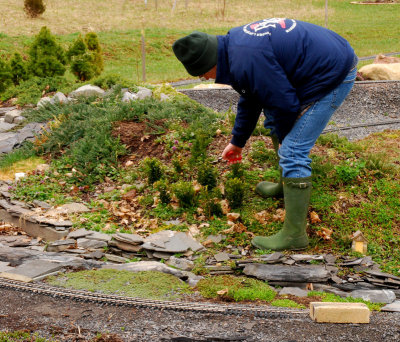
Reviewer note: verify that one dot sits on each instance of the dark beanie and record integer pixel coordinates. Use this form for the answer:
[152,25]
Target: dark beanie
[197,52]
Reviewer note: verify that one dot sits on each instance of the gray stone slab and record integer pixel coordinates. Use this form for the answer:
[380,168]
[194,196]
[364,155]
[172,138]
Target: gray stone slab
[16,256]
[116,258]
[161,255]
[99,236]
[216,238]
[171,242]
[133,239]
[305,257]
[93,255]
[382,275]
[222,256]
[61,245]
[272,258]
[127,247]
[294,291]
[6,126]
[287,273]
[5,266]
[181,263]
[7,141]
[41,204]
[73,208]
[79,233]
[393,307]
[33,269]
[91,244]
[11,115]
[374,296]
[4,110]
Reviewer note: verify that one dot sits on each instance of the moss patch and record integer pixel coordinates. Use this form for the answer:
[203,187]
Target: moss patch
[152,285]
[235,288]
[287,303]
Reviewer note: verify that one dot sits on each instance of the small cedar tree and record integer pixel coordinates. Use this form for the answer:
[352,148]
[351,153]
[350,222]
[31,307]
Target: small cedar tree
[5,75]
[47,57]
[81,60]
[93,45]
[34,8]
[18,69]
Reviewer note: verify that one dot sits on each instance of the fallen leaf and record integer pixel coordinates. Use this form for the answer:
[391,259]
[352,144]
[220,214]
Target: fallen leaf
[325,233]
[222,292]
[233,216]
[145,137]
[279,215]
[314,217]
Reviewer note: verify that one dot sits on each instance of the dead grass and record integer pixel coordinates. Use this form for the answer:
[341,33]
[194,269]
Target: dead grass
[20,166]
[69,16]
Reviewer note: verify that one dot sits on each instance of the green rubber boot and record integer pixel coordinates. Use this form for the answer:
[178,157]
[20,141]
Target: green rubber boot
[270,189]
[293,235]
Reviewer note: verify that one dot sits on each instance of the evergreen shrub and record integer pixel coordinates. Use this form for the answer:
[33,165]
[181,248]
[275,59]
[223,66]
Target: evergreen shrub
[19,72]
[207,175]
[185,193]
[162,187]
[47,57]
[5,76]
[34,8]
[153,169]
[234,192]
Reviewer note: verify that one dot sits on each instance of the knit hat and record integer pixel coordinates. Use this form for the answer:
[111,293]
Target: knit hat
[197,52]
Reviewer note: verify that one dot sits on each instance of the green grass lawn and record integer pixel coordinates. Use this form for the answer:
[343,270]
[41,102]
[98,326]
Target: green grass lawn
[369,29]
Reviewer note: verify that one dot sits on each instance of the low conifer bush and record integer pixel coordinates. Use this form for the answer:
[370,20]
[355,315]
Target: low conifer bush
[5,75]
[34,8]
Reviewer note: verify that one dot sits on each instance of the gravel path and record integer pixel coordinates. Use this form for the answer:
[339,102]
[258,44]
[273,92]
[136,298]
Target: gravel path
[368,102]
[71,321]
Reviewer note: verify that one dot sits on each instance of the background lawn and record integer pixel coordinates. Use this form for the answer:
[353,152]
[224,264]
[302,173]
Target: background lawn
[369,29]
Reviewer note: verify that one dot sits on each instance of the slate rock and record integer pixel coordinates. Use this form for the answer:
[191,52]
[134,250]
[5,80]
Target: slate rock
[382,275]
[41,204]
[61,245]
[171,242]
[4,266]
[294,291]
[140,266]
[128,97]
[305,257]
[99,236]
[15,256]
[91,244]
[127,247]
[287,273]
[6,126]
[181,263]
[32,270]
[272,258]
[79,233]
[329,289]
[161,255]
[133,239]
[374,296]
[115,258]
[73,208]
[392,307]
[4,110]
[93,255]
[87,90]
[216,238]
[222,256]
[7,141]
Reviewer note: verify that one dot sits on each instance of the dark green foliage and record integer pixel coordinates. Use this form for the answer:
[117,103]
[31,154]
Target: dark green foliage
[213,208]
[207,175]
[199,147]
[261,154]
[109,80]
[18,69]
[234,192]
[31,90]
[153,169]
[379,165]
[94,47]
[237,171]
[185,193]
[47,57]
[5,76]
[34,8]
[178,165]
[347,172]
[163,188]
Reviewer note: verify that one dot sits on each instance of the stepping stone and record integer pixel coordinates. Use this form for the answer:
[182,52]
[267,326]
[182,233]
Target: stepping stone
[304,257]
[294,291]
[287,273]
[221,257]
[115,258]
[171,242]
[272,258]
[32,270]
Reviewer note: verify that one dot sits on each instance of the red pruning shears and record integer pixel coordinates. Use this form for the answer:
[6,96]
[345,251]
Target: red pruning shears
[233,157]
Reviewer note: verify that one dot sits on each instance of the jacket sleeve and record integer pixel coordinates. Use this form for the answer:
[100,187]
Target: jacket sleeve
[259,73]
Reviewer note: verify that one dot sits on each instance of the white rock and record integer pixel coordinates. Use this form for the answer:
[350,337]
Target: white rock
[19,119]
[59,97]
[164,97]
[44,101]
[19,175]
[87,90]
[43,167]
[128,97]
[144,93]
[11,115]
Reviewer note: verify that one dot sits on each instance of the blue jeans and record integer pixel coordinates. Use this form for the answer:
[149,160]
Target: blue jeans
[297,144]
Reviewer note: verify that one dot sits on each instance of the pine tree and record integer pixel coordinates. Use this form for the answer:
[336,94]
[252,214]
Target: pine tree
[18,69]
[81,60]
[5,75]
[47,58]
[34,8]
[93,45]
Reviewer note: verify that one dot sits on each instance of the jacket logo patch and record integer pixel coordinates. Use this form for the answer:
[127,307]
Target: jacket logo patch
[263,27]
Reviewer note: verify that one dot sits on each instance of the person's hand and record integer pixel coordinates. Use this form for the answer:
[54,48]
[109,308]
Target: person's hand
[232,153]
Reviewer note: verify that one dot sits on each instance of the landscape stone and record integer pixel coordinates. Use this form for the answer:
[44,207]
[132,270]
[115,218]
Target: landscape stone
[59,97]
[4,266]
[61,245]
[99,236]
[374,296]
[133,239]
[164,97]
[140,266]
[11,115]
[305,257]
[91,244]
[392,307]
[181,263]
[87,90]
[74,208]
[294,291]
[171,242]
[128,247]
[7,141]
[144,93]
[29,131]
[176,222]
[15,256]
[44,101]
[162,255]
[216,238]
[115,258]
[382,275]
[5,126]
[4,110]
[19,119]
[222,256]
[31,270]
[128,97]
[79,233]
[93,255]
[41,204]
[287,273]
[272,258]
[75,251]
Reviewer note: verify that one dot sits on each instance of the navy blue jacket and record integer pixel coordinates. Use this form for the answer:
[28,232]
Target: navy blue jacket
[279,65]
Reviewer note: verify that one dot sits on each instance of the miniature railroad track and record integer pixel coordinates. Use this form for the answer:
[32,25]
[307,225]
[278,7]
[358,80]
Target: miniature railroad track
[105,299]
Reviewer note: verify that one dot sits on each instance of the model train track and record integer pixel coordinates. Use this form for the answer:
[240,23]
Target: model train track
[362,125]
[105,299]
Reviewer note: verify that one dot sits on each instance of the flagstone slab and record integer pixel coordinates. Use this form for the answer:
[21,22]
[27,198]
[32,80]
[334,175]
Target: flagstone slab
[392,307]
[5,266]
[171,242]
[133,239]
[30,270]
[287,273]
[79,233]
